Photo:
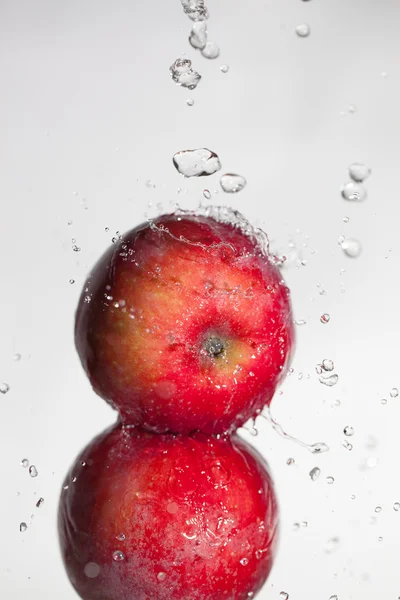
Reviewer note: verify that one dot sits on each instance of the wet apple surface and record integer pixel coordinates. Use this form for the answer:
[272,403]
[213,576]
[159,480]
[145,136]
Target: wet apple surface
[185,324]
[145,516]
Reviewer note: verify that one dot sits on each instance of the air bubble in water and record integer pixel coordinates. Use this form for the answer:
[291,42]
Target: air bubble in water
[394,393]
[303,30]
[4,388]
[330,380]
[91,570]
[161,576]
[33,472]
[327,365]
[195,9]
[25,463]
[196,163]
[198,35]
[182,73]
[118,556]
[325,318]
[224,68]
[348,430]
[231,183]
[354,192]
[351,247]
[359,172]
[23,527]
[315,473]
[211,50]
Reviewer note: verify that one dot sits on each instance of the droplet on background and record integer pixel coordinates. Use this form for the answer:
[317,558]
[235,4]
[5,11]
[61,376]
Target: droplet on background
[231,183]
[359,172]
[91,570]
[33,472]
[195,9]
[190,102]
[334,597]
[4,388]
[346,444]
[39,502]
[72,281]
[327,365]
[330,480]
[348,430]
[211,50]
[290,461]
[161,576]
[331,545]
[118,556]
[182,73]
[315,473]
[396,506]
[351,247]
[303,30]
[325,318]
[284,596]
[207,194]
[319,448]
[354,192]
[394,393]
[224,68]
[196,163]
[198,35]
[23,527]
[25,463]
[244,562]
[329,380]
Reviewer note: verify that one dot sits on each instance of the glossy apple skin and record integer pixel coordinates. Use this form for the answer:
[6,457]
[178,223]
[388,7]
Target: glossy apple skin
[195,518]
[149,307]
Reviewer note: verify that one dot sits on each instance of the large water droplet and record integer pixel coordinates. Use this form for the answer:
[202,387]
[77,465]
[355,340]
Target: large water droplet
[183,74]
[315,473]
[33,472]
[118,556]
[198,35]
[330,380]
[232,183]
[303,30]
[354,192]
[91,570]
[359,172]
[195,9]
[4,388]
[23,527]
[351,247]
[196,163]
[211,50]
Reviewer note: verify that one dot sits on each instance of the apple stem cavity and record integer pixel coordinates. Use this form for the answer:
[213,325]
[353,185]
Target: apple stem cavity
[214,347]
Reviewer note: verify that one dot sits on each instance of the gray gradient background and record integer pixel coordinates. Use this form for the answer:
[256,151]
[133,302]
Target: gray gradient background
[88,115]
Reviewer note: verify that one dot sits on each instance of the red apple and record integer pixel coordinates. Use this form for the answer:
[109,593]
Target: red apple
[167,517]
[185,325]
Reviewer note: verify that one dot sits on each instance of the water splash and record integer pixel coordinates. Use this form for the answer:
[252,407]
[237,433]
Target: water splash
[317,448]
[198,35]
[211,50]
[183,74]
[196,10]
[196,163]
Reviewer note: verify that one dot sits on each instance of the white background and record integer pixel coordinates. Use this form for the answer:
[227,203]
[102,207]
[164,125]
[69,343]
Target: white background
[88,115]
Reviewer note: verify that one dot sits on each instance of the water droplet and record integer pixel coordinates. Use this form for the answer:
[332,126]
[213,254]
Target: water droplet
[334,597]
[329,380]
[172,508]
[348,430]
[315,473]
[224,68]
[207,194]
[17,357]
[23,527]
[118,556]
[290,461]
[25,463]
[396,506]
[211,50]
[303,30]
[351,247]
[330,480]
[244,562]
[120,537]
[33,472]
[91,570]
[354,192]
[394,393]
[378,509]
[383,401]
[76,248]
[195,9]
[331,545]
[190,102]
[196,163]
[39,502]
[161,576]
[359,172]
[198,35]
[346,219]
[250,594]
[346,444]
[231,183]
[4,388]
[284,596]
[182,73]
[72,281]
[327,365]
[325,318]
